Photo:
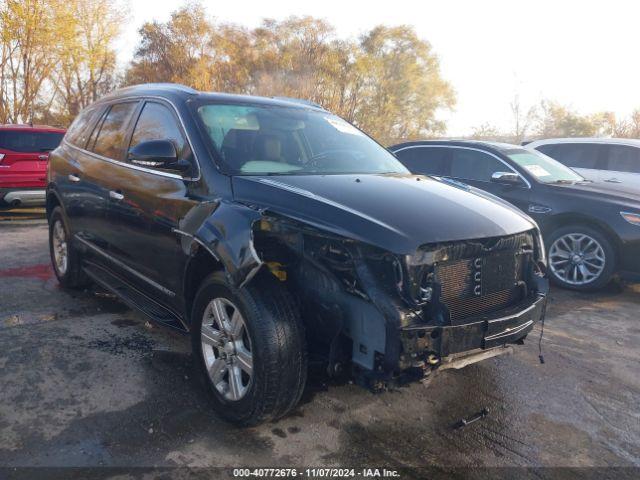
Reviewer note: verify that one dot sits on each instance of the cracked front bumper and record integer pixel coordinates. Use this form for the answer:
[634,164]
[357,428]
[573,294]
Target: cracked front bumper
[440,342]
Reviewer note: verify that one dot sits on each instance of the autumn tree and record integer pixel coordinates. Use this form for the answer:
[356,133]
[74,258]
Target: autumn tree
[57,56]
[403,88]
[388,82]
[86,67]
[30,32]
[188,49]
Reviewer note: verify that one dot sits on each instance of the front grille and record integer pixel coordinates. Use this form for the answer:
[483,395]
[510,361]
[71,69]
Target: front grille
[466,307]
[482,284]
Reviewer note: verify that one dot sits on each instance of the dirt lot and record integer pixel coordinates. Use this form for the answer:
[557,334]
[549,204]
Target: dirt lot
[85,382]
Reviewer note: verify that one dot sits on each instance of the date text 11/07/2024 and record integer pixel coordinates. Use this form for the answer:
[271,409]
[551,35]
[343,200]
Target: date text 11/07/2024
[316,472]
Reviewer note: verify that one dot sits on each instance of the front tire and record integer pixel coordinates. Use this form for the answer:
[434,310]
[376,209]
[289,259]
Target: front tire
[580,258]
[65,259]
[249,348]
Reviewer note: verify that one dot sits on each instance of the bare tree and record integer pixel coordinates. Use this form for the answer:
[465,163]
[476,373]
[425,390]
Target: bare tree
[522,117]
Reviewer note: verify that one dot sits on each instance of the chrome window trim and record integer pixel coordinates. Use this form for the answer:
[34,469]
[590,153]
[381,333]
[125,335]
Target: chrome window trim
[136,167]
[469,148]
[146,279]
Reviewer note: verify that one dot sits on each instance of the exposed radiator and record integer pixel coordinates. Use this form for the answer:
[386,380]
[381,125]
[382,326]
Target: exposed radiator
[482,284]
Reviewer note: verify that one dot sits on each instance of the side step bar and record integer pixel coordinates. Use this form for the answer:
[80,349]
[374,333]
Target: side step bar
[133,297]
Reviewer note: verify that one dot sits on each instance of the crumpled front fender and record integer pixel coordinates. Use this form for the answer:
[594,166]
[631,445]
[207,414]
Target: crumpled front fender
[225,230]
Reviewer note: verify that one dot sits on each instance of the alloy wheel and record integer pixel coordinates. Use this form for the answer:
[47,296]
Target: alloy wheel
[60,247]
[577,259]
[226,348]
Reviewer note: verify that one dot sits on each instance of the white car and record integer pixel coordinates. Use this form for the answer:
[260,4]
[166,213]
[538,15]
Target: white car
[614,160]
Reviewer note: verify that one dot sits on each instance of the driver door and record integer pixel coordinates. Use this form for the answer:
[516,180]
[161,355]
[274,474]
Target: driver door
[465,165]
[475,168]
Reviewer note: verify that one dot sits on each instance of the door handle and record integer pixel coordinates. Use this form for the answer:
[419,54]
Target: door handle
[73,178]
[116,195]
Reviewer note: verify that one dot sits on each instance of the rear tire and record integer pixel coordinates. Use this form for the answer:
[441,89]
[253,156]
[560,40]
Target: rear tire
[580,258]
[255,367]
[65,259]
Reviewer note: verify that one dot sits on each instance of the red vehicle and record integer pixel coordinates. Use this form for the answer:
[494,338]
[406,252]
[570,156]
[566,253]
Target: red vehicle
[24,155]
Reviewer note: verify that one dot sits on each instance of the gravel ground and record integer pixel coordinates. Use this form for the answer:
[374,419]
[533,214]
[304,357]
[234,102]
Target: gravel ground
[87,382]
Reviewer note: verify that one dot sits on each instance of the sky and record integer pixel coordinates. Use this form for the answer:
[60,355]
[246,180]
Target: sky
[583,54]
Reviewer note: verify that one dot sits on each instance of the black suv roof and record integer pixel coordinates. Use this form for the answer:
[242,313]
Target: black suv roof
[485,145]
[177,92]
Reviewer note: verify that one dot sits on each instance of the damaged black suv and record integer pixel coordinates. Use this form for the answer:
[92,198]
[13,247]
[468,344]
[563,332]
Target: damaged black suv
[275,232]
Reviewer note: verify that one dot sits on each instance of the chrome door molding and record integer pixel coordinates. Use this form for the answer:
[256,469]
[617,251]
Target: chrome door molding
[122,265]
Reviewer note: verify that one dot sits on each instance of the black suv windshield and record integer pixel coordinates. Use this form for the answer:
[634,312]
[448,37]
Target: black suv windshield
[544,169]
[272,140]
[18,141]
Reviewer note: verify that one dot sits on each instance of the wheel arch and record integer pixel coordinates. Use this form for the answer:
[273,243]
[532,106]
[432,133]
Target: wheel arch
[52,201]
[199,266]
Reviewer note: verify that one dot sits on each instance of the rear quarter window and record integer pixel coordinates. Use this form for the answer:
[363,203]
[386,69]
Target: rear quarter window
[624,158]
[80,129]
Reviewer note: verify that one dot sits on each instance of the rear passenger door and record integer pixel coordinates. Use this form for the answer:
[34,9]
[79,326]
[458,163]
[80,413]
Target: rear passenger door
[89,178]
[425,160]
[106,146]
[149,205]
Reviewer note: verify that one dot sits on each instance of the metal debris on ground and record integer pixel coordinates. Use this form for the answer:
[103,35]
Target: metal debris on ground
[478,416]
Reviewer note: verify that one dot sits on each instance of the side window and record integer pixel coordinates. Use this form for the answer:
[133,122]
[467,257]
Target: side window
[579,155]
[110,138]
[475,165]
[547,150]
[81,128]
[425,160]
[96,129]
[157,122]
[623,158]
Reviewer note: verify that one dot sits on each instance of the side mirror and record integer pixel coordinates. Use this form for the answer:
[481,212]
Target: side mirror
[506,178]
[157,154]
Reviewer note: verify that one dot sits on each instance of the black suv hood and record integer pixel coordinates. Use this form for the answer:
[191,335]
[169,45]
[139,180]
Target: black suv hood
[398,213]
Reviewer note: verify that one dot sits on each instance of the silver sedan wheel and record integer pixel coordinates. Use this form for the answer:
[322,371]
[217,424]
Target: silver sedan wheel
[226,347]
[577,259]
[60,247]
